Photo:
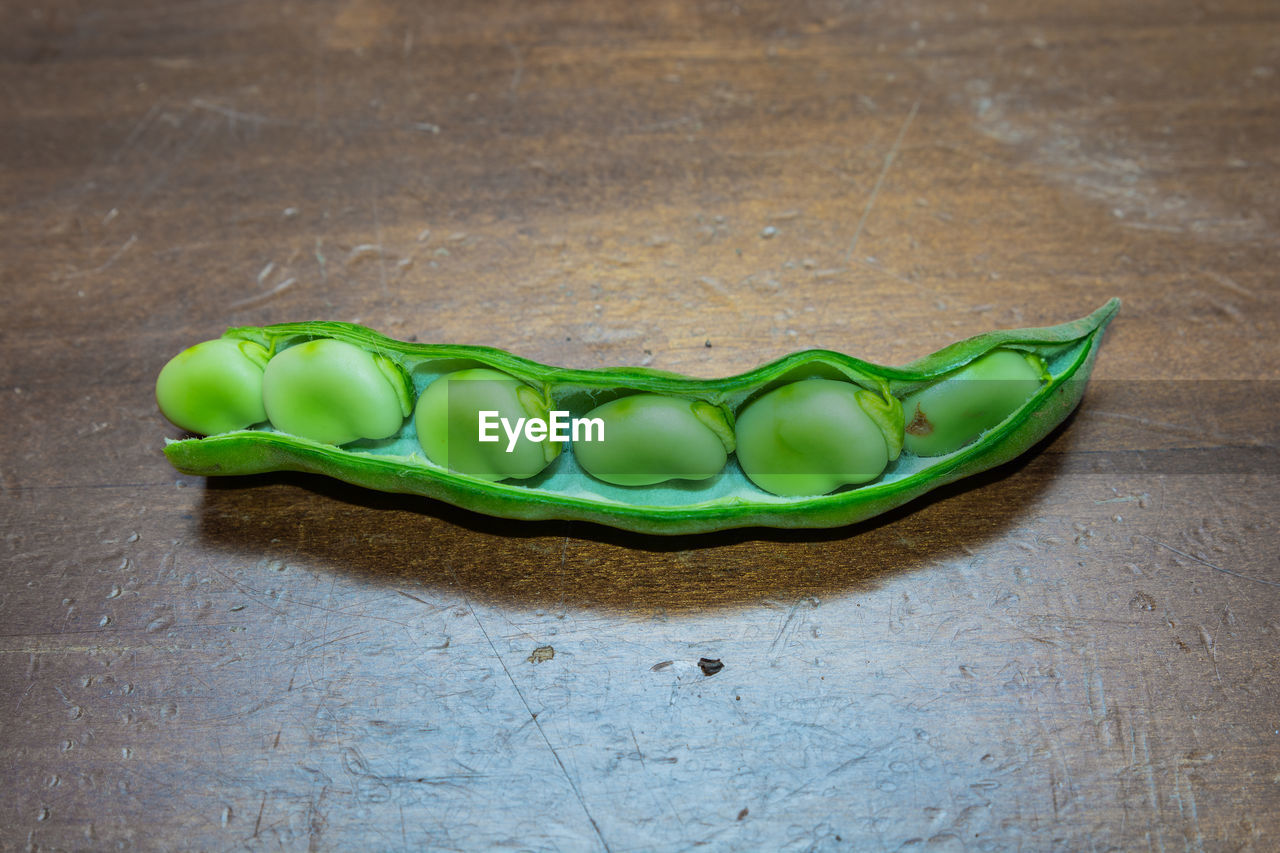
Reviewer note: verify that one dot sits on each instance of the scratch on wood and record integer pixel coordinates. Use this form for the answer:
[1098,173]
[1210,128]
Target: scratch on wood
[249,592]
[364,250]
[1184,782]
[534,717]
[1207,564]
[1231,284]
[1207,640]
[518,74]
[1139,739]
[639,753]
[137,131]
[316,821]
[875,190]
[263,297]
[111,260]
[232,114]
[257,824]
[777,645]
[414,597]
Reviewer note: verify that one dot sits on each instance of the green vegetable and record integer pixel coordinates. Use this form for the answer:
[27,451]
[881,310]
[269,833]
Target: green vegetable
[335,393]
[651,438]
[214,387]
[770,404]
[447,419]
[953,412]
[811,437]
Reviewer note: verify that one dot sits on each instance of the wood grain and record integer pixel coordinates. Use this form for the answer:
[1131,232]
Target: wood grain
[1076,651]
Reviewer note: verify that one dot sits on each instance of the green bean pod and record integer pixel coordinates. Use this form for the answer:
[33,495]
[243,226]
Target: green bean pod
[699,503]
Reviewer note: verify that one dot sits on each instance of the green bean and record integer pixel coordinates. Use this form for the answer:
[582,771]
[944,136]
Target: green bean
[448,424]
[819,441]
[214,387]
[651,438]
[811,438]
[947,415]
[335,392]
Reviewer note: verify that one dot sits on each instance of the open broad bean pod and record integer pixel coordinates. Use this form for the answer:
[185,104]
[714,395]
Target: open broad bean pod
[814,439]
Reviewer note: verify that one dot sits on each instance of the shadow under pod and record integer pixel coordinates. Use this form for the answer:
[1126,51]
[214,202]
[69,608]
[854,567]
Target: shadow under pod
[398,539]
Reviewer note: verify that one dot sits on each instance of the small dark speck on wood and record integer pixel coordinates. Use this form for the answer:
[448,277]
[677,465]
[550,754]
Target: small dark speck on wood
[710,666]
[742,814]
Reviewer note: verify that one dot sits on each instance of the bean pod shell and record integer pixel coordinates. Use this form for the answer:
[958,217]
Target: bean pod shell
[564,491]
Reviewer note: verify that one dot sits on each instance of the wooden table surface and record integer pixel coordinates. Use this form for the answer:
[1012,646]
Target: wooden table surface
[1074,652]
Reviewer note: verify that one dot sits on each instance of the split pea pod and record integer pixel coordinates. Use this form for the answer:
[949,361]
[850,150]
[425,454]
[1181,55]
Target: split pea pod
[814,439]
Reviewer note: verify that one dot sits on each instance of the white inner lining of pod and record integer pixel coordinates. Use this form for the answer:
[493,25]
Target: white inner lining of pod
[564,477]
